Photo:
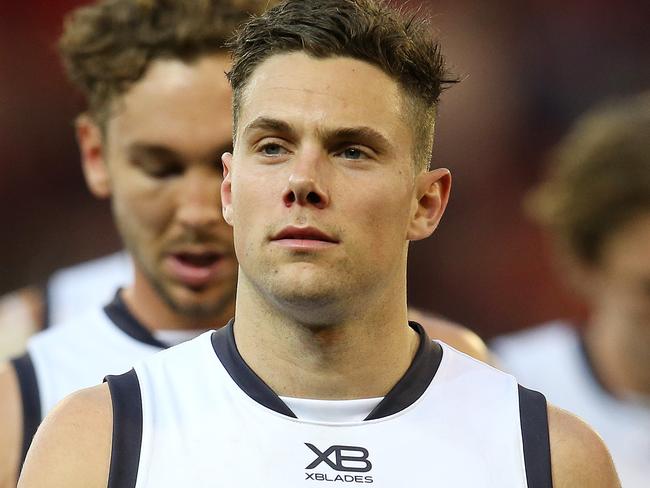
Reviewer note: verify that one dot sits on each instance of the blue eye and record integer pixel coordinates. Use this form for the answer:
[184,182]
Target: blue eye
[353,153]
[272,149]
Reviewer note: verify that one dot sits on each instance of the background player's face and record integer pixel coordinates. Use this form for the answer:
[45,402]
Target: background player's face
[160,159]
[321,144]
[621,285]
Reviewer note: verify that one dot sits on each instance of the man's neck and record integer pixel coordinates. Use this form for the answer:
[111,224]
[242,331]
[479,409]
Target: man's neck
[620,362]
[362,356]
[144,302]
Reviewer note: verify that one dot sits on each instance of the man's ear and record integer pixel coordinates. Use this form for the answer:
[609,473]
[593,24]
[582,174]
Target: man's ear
[432,194]
[226,187]
[91,146]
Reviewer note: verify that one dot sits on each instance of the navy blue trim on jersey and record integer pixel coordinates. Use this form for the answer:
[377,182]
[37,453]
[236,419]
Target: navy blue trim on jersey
[223,343]
[122,317]
[407,390]
[415,381]
[534,433]
[126,399]
[46,314]
[30,399]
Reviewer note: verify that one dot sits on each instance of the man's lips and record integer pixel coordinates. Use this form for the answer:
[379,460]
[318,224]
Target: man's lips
[195,268]
[304,238]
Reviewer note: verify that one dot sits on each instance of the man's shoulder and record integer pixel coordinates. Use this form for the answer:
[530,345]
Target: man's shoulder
[453,334]
[537,336]
[75,326]
[73,445]
[540,347]
[579,456]
[88,284]
[21,315]
[116,264]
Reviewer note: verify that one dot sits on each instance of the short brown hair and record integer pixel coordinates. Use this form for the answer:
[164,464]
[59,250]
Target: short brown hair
[399,44]
[599,178]
[107,46]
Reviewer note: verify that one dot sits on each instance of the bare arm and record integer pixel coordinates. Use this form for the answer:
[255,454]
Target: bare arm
[72,448]
[455,335]
[11,421]
[578,455]
[21,315]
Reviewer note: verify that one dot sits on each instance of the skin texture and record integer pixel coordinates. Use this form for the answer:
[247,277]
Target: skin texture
[305,175]
[21,315]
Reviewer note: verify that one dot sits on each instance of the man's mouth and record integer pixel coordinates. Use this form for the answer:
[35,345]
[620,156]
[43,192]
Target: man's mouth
[304,238]
[195,268]
[198,260]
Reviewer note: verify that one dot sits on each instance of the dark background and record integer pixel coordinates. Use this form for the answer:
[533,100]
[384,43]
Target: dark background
[528,67]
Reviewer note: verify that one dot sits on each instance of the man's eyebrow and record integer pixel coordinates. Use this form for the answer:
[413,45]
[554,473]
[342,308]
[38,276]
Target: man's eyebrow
[351,134]
[360,134]
[160,151]
[270,124]
[156,150]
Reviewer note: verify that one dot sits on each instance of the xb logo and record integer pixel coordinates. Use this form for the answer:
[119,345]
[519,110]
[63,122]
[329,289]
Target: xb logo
[347,458]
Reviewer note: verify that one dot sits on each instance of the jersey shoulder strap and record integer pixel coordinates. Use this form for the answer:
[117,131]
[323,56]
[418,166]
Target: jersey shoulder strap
[126,399]
[30,401]
[533,416]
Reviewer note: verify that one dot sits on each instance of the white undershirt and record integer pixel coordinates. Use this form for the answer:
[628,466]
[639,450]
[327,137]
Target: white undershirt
[173,337]
[331,410]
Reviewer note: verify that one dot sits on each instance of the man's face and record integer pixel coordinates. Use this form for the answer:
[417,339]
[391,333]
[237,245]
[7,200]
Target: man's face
[162,152]
[321,185]
[623,276]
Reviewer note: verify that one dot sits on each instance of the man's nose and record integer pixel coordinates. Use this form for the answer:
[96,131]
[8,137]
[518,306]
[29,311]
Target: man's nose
[305,186]
[200,199]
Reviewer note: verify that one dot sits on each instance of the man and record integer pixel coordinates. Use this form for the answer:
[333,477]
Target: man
[319,378]
[158,123]
[596,205]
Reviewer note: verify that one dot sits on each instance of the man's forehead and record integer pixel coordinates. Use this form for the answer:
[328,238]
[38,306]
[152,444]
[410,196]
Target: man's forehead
[318,89]
[176,100]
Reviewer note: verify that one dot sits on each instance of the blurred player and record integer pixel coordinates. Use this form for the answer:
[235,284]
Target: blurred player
[159,120]
[595,202]
[320,378]
[157,124]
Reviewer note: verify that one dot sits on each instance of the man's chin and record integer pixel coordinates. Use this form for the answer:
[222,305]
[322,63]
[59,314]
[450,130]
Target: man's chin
[200,303]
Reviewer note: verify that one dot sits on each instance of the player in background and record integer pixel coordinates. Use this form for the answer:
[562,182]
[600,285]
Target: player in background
[320,378]
[31,309]
[595,203]
[159,118]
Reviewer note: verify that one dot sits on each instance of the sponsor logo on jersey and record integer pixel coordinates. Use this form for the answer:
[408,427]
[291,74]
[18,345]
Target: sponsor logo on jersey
[347,459]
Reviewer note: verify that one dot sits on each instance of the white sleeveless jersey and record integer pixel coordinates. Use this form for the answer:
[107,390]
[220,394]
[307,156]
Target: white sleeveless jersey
[196,415]
[78,354]
[89,285]
[553,359]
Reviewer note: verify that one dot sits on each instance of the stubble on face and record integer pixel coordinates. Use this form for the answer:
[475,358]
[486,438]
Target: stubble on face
[182,111]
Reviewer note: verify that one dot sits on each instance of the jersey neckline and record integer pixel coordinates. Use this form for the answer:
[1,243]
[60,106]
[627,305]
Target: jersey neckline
[406,391]
[118,312]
